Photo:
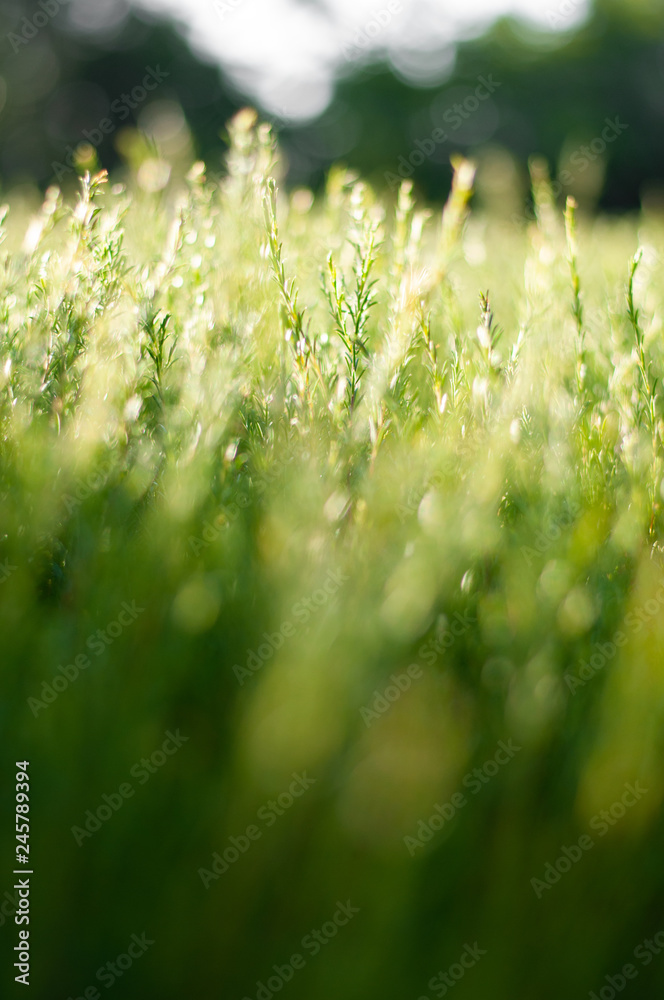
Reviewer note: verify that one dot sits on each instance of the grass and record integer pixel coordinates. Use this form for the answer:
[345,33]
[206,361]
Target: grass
[215,397]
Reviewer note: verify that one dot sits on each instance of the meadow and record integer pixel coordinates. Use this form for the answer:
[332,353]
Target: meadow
[331,589]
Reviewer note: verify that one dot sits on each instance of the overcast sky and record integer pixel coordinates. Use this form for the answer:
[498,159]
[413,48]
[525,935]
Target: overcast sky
[287,52]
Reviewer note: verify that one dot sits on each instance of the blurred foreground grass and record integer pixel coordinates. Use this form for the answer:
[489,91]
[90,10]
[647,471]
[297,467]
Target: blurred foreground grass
[368,534]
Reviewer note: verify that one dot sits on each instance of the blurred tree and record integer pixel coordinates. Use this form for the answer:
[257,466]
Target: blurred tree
[59,84]
[553,96]
[550,94]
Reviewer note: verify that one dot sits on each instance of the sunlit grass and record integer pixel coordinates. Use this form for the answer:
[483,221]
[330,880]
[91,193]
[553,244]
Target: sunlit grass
[212,399]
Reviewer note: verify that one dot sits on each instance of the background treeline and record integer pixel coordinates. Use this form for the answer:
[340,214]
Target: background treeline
[555,94]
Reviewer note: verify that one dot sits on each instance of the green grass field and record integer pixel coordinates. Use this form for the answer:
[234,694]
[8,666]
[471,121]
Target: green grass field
[332,527]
